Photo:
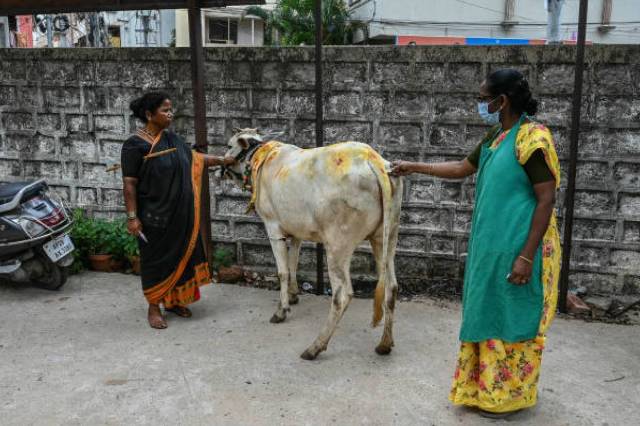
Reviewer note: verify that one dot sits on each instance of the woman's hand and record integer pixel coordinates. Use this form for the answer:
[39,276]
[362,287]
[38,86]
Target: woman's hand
[228,161]
[214,160]
[134,227]
[520,272]
[401,168]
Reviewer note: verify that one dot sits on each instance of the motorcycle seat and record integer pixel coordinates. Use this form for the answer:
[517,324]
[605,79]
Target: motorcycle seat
[10,191]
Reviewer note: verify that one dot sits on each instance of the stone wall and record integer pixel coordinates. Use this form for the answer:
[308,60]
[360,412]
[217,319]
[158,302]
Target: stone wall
[64,115]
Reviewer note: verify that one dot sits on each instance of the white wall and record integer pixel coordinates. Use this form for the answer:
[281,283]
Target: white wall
[244,32]
[244,27]
[182,28]
[482,18]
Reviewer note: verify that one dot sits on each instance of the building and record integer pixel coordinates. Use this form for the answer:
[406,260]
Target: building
[225,25]
[140,28]
[16,31]
[490,21]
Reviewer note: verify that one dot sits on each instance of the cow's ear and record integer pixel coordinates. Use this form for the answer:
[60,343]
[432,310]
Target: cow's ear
[244,144]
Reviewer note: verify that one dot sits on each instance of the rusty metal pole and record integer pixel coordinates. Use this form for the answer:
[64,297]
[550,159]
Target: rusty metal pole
[319,131]
[573,157]
[199,110]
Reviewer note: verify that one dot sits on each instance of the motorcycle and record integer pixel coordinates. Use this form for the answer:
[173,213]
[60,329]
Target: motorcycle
[35,245]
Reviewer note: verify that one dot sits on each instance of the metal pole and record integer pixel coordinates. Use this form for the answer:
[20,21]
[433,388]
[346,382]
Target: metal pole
[199,109]
[573,157]
[319,131]
[96,29]
[49,31]
[145,29]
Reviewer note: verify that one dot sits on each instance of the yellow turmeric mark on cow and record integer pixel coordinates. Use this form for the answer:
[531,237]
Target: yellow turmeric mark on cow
[375,159]
[282,173]
[338,163]
[265,153]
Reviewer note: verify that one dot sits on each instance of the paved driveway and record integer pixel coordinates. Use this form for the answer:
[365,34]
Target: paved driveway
[85,355]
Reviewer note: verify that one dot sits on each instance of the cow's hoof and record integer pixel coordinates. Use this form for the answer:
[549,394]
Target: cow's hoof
[383,350]
[293,299]
[275,319]
[308,355]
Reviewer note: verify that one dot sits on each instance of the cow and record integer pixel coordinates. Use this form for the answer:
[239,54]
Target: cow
[338,195]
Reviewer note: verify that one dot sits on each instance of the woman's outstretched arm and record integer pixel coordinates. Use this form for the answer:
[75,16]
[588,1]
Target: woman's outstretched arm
[447,169]
[214,160]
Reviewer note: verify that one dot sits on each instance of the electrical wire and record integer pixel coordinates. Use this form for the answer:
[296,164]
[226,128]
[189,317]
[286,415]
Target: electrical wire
[488,23]
[500,12]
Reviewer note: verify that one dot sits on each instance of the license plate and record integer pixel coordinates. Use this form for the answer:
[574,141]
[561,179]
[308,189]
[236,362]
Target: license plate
[58,248]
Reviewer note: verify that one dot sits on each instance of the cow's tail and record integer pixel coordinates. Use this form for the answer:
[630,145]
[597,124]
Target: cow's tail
[386,191]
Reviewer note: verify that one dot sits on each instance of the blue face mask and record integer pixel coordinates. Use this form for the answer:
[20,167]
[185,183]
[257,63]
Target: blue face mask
[491,118]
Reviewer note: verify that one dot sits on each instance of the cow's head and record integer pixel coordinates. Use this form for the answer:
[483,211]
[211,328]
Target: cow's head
[241,145]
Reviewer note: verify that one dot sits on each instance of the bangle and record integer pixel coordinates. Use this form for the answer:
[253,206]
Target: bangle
[529,261]
[131,215]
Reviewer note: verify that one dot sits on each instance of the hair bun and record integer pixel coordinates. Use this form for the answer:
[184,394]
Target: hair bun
[148,102]
[135,106]
[515,86]
[531,107]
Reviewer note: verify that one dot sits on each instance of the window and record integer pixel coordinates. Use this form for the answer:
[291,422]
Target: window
[223,31]
[114,36]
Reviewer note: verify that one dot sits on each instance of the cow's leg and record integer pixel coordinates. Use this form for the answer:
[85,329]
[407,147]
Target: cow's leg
[390,288]
[338,263]
[279,247]
[390,293]
[294,253]
[391,284]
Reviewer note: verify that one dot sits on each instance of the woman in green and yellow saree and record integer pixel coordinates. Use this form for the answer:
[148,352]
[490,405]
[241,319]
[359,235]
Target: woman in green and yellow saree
[513,262]
[162,179]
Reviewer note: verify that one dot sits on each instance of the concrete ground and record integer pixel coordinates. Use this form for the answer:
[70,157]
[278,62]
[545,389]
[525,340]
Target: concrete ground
[85,355]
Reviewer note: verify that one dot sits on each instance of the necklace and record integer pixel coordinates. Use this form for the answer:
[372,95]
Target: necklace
[147,135]
[147,132]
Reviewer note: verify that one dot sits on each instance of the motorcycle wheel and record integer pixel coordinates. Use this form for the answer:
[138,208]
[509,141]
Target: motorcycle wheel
[53,278]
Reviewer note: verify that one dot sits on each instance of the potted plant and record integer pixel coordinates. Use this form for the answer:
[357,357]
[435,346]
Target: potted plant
[89,237]
[80,236]
[222,264]
[101,246]
[117,241]
[132,253]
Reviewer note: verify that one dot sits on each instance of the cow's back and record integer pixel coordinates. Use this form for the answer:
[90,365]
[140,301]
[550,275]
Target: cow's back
[310,190]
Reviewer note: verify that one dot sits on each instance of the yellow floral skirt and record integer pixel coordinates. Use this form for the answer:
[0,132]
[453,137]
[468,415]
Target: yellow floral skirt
[498,376]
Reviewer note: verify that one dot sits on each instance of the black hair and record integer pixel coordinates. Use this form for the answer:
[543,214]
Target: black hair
[512,84]
[150,101]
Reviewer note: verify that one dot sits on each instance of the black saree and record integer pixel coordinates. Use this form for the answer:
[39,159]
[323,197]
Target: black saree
[173,260]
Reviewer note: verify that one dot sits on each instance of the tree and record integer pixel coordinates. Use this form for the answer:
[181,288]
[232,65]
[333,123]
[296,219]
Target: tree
[295,24]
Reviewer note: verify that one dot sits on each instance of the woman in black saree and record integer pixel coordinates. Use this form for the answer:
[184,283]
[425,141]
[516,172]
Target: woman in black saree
[162,185]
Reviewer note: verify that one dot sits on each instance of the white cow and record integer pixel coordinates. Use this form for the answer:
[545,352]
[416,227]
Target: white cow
[337,195]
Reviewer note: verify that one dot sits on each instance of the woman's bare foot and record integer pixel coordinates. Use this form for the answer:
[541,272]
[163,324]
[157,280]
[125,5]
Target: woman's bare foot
[181,311]
[156,320]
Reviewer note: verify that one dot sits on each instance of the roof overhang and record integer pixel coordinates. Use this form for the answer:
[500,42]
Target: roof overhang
[28,7]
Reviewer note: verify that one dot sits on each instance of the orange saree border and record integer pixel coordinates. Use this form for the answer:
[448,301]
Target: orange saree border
[155,294]
[189,291]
